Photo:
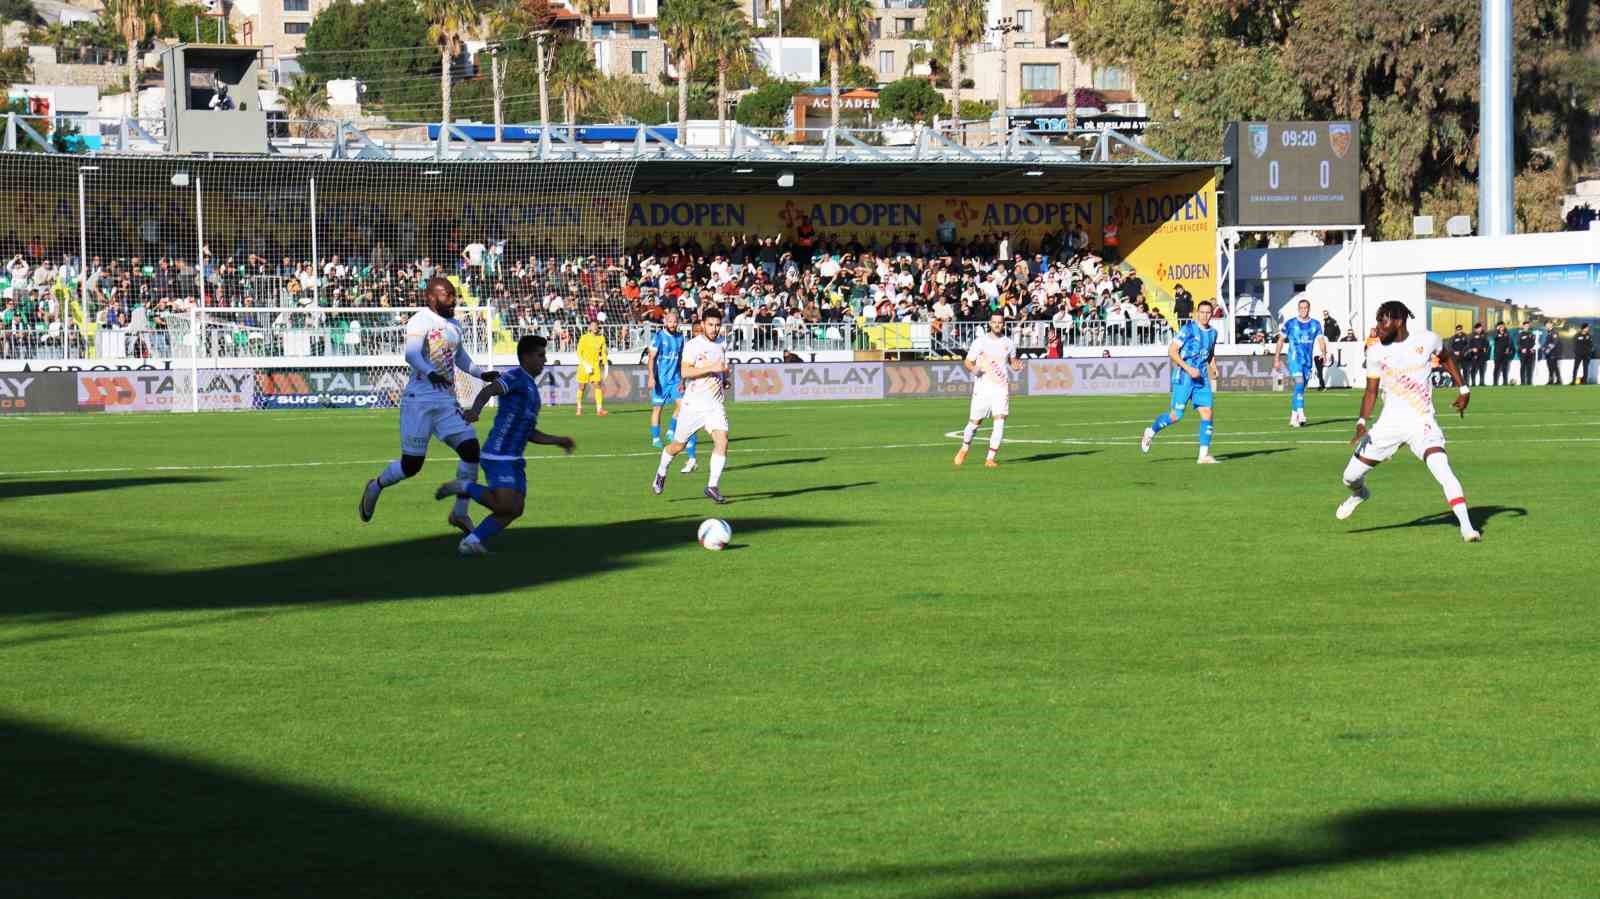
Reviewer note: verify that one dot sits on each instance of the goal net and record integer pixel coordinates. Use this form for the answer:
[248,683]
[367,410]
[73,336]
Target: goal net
[283,264]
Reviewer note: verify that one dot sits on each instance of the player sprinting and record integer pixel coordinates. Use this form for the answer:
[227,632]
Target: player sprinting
[428,408]
[516,424]
[987,359]
[1303,335]
[1193,352]
[662,370]
[1401,363]
[593,366]
[704,368]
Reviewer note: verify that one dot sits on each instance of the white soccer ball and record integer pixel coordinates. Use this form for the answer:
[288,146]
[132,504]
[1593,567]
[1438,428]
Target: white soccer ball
[715,533]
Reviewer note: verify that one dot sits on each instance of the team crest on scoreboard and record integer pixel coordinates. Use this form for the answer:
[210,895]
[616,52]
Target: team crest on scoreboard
[1339,137]
[1258,140]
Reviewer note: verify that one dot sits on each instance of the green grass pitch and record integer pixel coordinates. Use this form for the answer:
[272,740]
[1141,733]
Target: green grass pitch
[1088,672]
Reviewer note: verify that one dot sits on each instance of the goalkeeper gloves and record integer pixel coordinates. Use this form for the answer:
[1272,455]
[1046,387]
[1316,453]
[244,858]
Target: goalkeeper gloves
[489,377]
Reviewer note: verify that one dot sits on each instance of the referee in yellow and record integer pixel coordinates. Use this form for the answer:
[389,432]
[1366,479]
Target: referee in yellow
[594,363]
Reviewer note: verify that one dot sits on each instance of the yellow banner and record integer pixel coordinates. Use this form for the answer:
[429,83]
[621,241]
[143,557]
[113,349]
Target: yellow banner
[1168,233]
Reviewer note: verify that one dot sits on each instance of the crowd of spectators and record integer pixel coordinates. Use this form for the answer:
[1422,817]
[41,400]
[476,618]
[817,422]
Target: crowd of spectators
[1073,294]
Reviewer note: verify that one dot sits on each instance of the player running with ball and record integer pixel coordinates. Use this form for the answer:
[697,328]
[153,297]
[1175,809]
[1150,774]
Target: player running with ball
[1401,365]
[515,426]
[428,408]
[1194,369]
[704,369]
[987,359]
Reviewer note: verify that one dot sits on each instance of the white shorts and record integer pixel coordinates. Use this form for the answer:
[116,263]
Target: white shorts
[692,418]
[1386,437]
[420,422]
[989,403]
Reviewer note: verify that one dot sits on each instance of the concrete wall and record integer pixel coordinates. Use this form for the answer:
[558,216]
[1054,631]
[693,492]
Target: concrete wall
[1398,270]
[79,75]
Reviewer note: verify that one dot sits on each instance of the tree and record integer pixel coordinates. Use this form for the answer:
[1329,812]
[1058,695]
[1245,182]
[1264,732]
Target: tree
[910,100]
[729,42]
[957,24]
[304,99]
[14,66]
[18,11]
[767,106]
[588,9]
[382,43]
[686,28]
[450,24]
[572,76]
[840,26]
[135,21]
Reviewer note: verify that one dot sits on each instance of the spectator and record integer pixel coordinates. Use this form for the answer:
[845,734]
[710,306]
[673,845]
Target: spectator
[1182,303]
[1582,352]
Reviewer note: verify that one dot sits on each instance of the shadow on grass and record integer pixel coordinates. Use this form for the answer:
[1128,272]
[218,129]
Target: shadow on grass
[756,437]
[776,462]
[409,569]
[1480,516]
[1047,457]
[1330,421]
[20,489]
[90,819]
[1238,454]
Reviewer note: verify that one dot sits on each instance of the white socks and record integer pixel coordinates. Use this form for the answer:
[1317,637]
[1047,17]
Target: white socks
[718,460]
[1355,473]
[995,436]
[1439,464]
[391,475]
[966,434]
[666,459]
[466,472]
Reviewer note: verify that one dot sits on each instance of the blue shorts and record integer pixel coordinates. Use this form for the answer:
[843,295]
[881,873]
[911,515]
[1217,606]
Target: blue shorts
[1301,370]
[502,474]
[1186,392]
[666,393]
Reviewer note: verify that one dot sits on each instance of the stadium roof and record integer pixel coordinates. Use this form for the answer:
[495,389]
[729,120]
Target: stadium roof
[900,178]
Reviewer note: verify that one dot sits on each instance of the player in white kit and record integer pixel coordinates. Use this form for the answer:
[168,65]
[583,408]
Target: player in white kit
[987,359]
[1401,364]
[705,369]
[429,407]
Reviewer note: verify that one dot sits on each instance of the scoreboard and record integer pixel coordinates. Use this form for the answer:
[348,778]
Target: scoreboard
[1294,174]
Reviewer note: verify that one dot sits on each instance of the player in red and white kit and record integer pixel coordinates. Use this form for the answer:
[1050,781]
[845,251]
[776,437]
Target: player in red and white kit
[1401,364]
[705,369]
[987,359]
[429,408]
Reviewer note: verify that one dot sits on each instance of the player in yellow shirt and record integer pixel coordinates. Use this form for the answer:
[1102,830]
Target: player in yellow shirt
[593,366]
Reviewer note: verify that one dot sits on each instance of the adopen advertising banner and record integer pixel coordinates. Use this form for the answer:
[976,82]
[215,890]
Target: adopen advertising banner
[814,381]
[221,390]
[1138,374]
[934,379]
[38,391]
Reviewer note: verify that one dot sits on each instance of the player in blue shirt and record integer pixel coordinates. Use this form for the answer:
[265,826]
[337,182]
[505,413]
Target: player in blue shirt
[1194,369]
[662,363]
[515,426]
[1303,335]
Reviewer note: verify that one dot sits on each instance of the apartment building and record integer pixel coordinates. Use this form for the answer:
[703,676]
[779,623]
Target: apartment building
[279,24]
[627,41]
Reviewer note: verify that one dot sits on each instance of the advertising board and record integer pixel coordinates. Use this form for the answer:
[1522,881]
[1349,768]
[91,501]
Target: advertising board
[816,381]
[39,391]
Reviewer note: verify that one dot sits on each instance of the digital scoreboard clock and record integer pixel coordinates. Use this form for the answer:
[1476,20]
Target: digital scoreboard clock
[1292,174]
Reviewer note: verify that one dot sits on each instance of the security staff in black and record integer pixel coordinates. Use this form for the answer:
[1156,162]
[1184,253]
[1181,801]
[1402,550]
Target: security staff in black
[1527,345]
[1504,352]
[1582,352]
[1478,353]
[1552,356]
[1461,348]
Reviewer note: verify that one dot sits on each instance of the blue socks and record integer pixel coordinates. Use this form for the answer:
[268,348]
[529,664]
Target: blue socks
[1162,422]
[487,528]
[479,493]
[655,433]
[1205,435]
[1299,401]
[693,439]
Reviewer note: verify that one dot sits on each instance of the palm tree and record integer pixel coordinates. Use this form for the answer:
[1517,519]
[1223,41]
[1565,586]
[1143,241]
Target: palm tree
[450,24]
[588,9]
[841,26]
[730,42]
[959,24]
[303,99]
[685,28]
[134,20]
[572,74]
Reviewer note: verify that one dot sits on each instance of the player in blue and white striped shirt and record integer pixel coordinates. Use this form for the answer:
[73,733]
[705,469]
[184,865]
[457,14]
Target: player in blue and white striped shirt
[1194,369]
[1303,335]
[515,426]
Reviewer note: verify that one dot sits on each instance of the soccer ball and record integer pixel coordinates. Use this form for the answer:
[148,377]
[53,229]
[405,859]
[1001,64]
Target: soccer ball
[715,533]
